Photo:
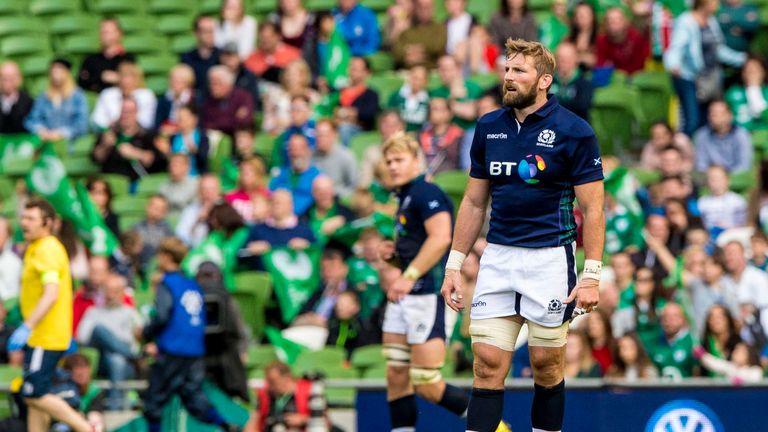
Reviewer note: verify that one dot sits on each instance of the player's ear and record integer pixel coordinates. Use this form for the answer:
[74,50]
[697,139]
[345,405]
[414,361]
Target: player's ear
[545,81]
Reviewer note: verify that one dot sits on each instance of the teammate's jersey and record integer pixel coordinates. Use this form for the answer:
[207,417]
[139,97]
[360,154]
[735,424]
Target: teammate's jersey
[419,200]
[532,168]
[46,261]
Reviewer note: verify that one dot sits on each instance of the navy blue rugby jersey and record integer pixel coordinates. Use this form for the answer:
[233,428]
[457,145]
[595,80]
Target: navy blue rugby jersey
[532,168]
[419,200]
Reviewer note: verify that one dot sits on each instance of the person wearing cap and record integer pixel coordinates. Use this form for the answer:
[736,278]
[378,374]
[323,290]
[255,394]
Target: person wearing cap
[61,111]
[244,79]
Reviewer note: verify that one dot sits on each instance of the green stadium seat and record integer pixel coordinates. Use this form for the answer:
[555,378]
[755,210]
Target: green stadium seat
[74,24]
[129,205]
[264,144]
[92,354]
[540,5]
[360,143]
[483,10]
[117,7]
[24,45]
[743,182]
[82,146]
[8,373]
[381,62]
[119,184]
[19,168]
[263,7]
[615,117]
[385,85]
[80,44]
[174,7]
[7,189]
[378,5]
[35,66]
[128,221]
[367,357]
[54,7]
[760,143]
[453,183]
[12,7]
[80,166]
[136,24]
[654,91]
[36,85]
[171,25]
[341,396]
[252,293]
[220,151]
[260,356]
[324,360]
[14,25]
[320,5]
[157,83]
[150,185]
[209,7]
[375,372]
[157,64]
[145,43]
[183,43]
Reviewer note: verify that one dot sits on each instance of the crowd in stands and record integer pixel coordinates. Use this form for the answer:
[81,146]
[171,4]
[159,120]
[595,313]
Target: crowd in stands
[685,288]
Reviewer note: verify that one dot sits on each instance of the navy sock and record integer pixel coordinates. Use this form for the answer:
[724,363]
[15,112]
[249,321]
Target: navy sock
[548,407]
[484,412]
[454,400]
[403,412]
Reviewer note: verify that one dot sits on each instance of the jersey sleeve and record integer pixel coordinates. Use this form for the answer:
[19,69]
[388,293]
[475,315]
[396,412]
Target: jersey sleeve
[431,201]
[586,165]
[48,262]
[477,167]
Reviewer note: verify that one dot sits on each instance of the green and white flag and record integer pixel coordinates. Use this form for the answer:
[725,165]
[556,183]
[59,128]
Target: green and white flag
[17,148]
[336,65]
[349,233]
[624,225]
[91,227]
[295,277]
[287,350]
[218,249]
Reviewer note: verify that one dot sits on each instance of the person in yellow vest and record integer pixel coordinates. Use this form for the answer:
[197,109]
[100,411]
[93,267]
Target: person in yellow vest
[46,306]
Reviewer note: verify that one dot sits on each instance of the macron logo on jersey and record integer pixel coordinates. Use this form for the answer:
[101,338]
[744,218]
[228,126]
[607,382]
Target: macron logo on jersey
[500,135]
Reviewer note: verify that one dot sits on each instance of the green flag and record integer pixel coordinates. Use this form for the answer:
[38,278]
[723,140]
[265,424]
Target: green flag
[349,233]
[91,226]
[336,65]
[625,221]
[287,350]
[17,148]
[295,277]
[218,249]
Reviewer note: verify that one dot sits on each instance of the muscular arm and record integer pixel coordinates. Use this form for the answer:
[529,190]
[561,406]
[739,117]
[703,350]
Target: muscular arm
[438,240]
[590,197]
[471,215]
[50,295]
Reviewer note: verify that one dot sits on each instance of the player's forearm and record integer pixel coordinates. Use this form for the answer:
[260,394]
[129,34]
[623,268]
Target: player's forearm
[594,232]
[46,302]
[431,252]
[469,221]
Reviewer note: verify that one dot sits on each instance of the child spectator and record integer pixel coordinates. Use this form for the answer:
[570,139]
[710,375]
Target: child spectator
[720,334]
[721,208]
[181,188]
[579,362]
[412,100]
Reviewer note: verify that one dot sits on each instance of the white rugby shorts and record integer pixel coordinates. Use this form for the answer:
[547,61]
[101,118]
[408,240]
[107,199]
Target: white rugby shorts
[531,282]
[420,318]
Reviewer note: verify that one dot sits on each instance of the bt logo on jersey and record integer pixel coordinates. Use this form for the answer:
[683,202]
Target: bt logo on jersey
[529,167]
[499,168]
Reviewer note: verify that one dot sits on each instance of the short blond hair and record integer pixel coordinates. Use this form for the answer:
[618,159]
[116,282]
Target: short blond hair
[401,142]
[174,248]
[543,59]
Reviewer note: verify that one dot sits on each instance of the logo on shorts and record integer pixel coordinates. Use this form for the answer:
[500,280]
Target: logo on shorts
[479,304]
[546,138]
[421,328]
[529,167]
[555,306]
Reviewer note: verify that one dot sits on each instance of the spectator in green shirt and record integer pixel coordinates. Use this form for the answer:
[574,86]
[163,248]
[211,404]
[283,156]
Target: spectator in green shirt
[672,351]
[739,23]
[412,100]
[461,94]
[749,99]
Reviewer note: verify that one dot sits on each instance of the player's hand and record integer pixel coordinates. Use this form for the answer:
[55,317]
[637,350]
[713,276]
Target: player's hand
[452,290]
[19,338]
[586,294]
[399,289]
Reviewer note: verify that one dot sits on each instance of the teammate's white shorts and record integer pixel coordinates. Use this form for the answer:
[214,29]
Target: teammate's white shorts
[420,318]
[525,281]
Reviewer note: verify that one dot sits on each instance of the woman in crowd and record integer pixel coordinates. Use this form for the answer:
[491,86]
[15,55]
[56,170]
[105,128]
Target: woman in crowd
[749,99]
[631,362]
[181,91]
[743,367]
[663,136]
[295,80]
[130,85]
[251,182]
[600,337]
[61,112]
[720,334]
[579,362]
[235,26]
[513,20]
[296,24]
[583,34]
[640,308]
[440,139]
[101,194]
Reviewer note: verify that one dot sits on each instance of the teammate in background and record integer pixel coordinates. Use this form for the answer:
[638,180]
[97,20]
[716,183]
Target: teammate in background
[178,329]
[531,156]
[46,306]
[416,321]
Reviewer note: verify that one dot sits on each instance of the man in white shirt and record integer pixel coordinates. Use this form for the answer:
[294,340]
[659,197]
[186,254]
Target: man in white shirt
[10,263]
[751,283]
[130,84]
[721,208]
[192,227]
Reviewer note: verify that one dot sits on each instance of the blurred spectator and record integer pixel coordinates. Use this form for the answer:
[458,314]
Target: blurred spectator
[457,24]
[101,195]
[693,58]
[126,148]
[751,283]
[178,329]
[334,160]
[91,292]
[721,208]
[663,136]
[583,34]
[154,228]
[14,358]
[298,176]
[722,143]
[130,85]
[743,366]
[243,145]
[657,227]
[333,281]
[15,103]
[399,19]
[192,227]
[759,243]
[476,54]
[235,27]
[10,262]
[99,71]
[600,336]
[720,334]
[412,99]
[359,27]
[244,79]
[672,350]
[65,231]
[573,89]
[622,229]
[554,28]
[620,45]
[358,103]
[188,140]
[301,123]
[487,102]
[223,218]
[226,107]
[513,20]
[112,329]
[126,259]
[579,362]
[271,54]
[327,214]
[282,228]
[181,91]
[424,41]
[440,139]
[631,362]
[390,123]
[295,23]
[294,81]
[316,50]
[226,337]
[710,290]
[460,94]
[749,99]
[623,270]
[639,308]
[680,220]
[250,183]
[346,329]
[181,188]
[92,398]
[61,112]
[205,54]
[739,23]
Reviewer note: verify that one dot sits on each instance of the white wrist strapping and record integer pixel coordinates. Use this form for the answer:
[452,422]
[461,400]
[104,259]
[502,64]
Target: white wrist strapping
[592,269]
[455,260]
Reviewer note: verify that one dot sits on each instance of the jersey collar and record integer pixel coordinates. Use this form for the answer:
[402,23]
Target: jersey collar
[542,112]
[406,187]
